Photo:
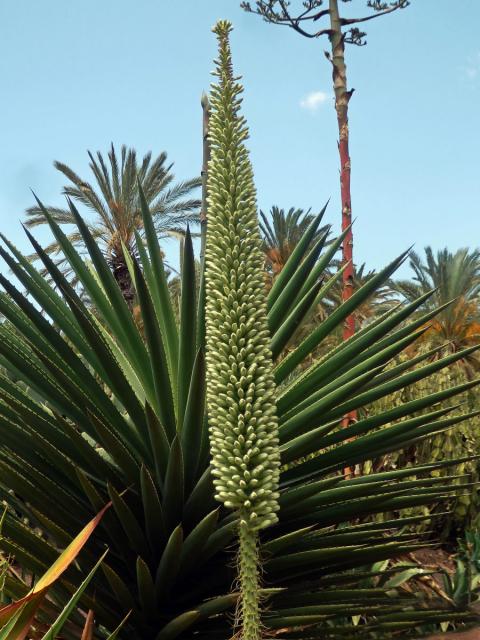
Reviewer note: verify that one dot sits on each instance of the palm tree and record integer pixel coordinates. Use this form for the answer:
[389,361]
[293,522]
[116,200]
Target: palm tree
[114,199]
[455,277]
[282,233]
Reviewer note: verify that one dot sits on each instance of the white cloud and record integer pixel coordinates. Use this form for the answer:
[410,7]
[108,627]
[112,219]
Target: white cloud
[314,100]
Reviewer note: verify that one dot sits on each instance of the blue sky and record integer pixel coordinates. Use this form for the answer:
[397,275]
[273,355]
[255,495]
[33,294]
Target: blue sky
[77,75]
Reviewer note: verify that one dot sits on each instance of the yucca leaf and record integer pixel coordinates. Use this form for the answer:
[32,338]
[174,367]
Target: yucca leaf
[298,422]
[356,538]
[187,339]
[288,327]
[122,312]
[57,626]
[403,473]
[394,371]
[335,595]
[367,447]
[288,295]
[310,560]
[18,425]
[320,376]
[288,364]
[391,386]
[124,363]
[32,371]
[374,361]
[146,589]
[70,387]
[64,494]
[169,565]
[159,291]
[117,449]
[178,625]
[89,455]
[297,494]
[173,490]
[50,302]
[440,427]
[295,259]
[129,523]
[119,588]
[193,432]
[217,605]
[316,439]
[196,540]
[201,500]
[285,541]
[422,322]
[219,540]
[25,537]
[322,266]
[334,514]
[145,264]
[120,320]
[164,404]
[28,605]
[10,548]
[352,492]
[119,384]
[42,496]
[200,337]
[417,616]
[117,630]
[109,523]
[372,422]
[152,507]
[159,444]
[374,337]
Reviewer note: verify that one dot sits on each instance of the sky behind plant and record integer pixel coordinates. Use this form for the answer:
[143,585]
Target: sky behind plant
[77,75]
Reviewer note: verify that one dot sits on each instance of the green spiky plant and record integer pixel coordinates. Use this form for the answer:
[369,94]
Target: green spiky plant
[240,382]
[92,409]
[25,617]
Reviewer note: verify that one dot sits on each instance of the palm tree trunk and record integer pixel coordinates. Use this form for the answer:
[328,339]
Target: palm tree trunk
[342,98]
[122,276]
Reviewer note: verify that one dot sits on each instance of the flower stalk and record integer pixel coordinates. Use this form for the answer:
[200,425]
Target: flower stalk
[243,425]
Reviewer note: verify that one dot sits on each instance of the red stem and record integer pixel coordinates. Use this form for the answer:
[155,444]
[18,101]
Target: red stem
[342,98]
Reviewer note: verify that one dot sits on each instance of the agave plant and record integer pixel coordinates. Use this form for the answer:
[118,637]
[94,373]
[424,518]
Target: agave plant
[92,410]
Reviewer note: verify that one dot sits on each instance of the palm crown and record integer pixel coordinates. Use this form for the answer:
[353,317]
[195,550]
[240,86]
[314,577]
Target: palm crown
[115,200]
[282,233]
[456,280]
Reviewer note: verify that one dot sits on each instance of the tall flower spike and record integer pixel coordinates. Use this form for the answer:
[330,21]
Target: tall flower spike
[240,386]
